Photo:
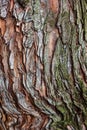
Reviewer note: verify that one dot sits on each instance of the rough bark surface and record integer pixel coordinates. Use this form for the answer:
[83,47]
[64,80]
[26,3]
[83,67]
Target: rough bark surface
[43,64]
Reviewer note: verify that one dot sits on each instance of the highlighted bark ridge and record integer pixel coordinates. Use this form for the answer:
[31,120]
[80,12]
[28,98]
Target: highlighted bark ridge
[43,65]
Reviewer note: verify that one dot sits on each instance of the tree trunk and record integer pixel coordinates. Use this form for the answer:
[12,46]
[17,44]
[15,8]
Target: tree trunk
[43,64]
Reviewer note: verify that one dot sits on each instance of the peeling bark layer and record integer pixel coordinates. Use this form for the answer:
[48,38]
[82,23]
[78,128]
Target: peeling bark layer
[43,65]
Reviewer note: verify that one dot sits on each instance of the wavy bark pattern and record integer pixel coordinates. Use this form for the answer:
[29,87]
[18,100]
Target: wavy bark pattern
[43,65]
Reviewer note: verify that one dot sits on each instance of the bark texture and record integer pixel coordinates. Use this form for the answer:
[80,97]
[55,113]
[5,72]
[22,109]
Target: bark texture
[43,64]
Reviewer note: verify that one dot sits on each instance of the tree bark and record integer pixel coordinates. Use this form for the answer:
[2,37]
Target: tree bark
[43,64]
